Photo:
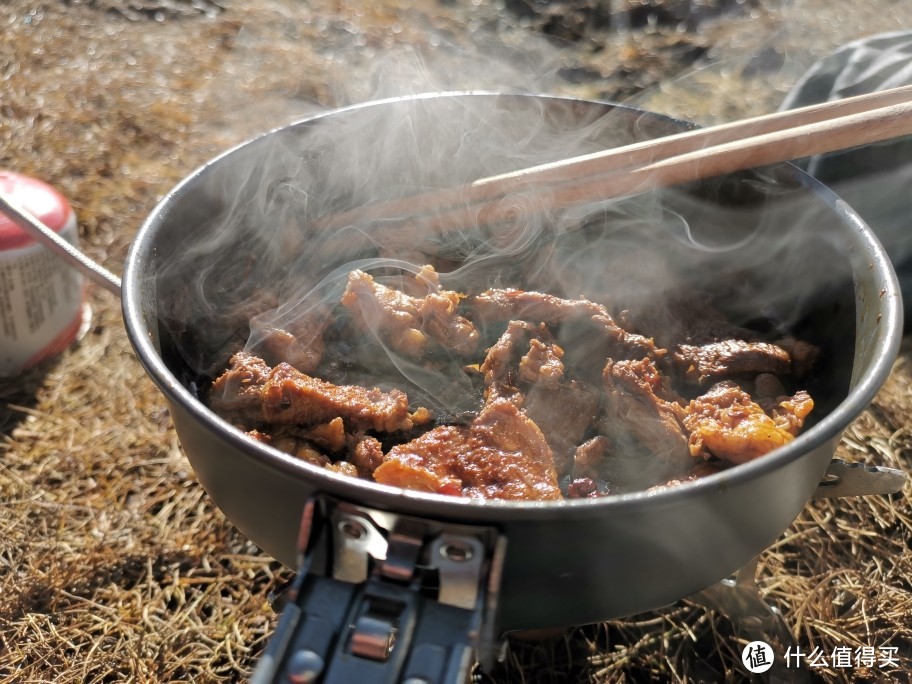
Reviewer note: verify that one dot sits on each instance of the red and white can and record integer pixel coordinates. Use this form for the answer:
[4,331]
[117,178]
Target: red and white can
[42,300]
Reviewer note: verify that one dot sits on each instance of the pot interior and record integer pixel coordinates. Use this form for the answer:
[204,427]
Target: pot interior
[240,243]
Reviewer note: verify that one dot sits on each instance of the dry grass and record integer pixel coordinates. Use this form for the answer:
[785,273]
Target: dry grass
[114,564]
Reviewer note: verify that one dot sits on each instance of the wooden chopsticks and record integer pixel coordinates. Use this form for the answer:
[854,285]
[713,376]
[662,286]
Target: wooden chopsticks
[680,158]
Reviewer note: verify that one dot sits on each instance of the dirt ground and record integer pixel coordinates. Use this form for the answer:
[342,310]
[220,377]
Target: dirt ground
[114,564]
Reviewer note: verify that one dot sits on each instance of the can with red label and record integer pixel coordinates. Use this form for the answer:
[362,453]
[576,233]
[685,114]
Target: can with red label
[42,300]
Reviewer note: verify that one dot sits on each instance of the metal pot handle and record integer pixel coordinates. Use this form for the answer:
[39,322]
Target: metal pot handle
[382,597]
[50,239]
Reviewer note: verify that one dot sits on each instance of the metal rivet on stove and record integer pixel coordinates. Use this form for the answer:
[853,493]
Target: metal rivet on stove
[304,667]
[456,552]
[352,529]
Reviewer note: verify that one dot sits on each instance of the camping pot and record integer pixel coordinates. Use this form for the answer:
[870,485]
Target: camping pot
[773,243]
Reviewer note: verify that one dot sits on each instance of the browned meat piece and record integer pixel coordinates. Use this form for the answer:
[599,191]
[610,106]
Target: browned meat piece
[542,364]
[726,423]
[344,468]
[768,386]
[367,454]
[330,436]
[500,376]
[384,309]
[363,451]
[683,315]
[789,413]
[728,359]
[562,410]
[240,385]
[501,455]
[564,415]
[292,445]
[582,488]
[706,347]
[407,321]
[298,343]
[438,313]
[589,455]
[509,304]
[428,463]
[278,345]
[639,401]
[803,354]
[441,322]
[285,396]
[426,280]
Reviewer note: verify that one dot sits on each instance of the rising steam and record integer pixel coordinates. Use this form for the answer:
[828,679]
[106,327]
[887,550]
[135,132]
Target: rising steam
[262,262]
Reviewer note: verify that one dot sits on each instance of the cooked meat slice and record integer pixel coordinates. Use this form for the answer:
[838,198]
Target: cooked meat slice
[767,386]
[564,416]
[330,436]
[428,463]
[438,313]
[500,375]
[510,304]
[728,359]
[306,452]
[278,345]
[426,280]
[501,455]
[563,411]
[443,324]
[582,488]
[367,454]
[726,423]
[241,384]
[706,346]
[291,444]
[639,401]
[589,455]
[286,396]
[526,463]
[789,413]
[680,314]
[542,364]
[344,468]
[803,354]
[407,321]
[385,310]
[299,342]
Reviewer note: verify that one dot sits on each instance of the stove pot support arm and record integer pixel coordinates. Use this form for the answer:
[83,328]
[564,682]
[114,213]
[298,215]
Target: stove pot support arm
[381,597]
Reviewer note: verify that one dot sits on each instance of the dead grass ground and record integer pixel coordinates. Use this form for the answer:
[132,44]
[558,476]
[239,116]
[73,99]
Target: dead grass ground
[114,564]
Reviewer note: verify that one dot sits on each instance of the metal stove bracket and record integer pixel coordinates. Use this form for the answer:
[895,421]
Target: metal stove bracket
[857,479]
[382,597]
[738,599]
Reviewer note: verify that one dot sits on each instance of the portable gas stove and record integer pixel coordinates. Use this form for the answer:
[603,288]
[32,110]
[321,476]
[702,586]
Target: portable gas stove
[381,597]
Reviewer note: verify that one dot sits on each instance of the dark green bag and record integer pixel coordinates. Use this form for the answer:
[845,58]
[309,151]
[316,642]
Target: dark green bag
[875,180]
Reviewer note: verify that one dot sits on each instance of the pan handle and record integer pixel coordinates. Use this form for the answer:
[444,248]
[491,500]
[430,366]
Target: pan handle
[385,598]
[50,239]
